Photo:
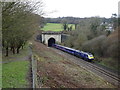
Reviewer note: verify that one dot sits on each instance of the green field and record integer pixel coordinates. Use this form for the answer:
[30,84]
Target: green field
[55,27]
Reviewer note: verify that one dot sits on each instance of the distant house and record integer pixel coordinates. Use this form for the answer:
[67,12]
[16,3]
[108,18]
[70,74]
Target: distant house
[104,23]
[109,27]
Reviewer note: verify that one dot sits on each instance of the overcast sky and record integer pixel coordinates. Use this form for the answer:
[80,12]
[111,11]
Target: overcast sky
[80,8]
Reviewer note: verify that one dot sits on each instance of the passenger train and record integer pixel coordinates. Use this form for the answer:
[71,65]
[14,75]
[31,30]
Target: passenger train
[84,55]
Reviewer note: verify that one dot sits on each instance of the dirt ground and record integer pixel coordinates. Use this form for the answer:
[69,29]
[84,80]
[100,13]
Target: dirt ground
[54,71]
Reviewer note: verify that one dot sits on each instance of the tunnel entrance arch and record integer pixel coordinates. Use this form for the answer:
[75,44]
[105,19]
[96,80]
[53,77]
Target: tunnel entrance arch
[57,37]
[51,41]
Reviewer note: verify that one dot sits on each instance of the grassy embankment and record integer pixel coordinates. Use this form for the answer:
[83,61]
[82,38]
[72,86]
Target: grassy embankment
[110,63]
[15,72]
[55,27]
[56,71]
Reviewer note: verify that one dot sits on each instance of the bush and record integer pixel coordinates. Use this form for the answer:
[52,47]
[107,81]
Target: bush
[95,45]
[110,45]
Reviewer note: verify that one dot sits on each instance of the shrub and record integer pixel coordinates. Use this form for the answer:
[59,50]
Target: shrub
[95,45]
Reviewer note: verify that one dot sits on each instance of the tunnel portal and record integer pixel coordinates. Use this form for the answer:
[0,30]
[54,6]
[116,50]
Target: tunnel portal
[51,41]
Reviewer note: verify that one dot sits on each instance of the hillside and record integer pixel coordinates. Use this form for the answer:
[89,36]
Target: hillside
[56,71]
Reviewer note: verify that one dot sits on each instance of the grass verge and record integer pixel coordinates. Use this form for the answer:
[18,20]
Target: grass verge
[110,63]
[15,74]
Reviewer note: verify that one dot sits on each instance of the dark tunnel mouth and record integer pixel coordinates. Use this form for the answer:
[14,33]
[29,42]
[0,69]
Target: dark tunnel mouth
[50,42]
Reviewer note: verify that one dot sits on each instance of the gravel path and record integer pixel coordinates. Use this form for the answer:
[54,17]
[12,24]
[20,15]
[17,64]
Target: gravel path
[15,59]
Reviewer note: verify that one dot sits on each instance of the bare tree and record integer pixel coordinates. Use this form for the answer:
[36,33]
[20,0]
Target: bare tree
[19,24]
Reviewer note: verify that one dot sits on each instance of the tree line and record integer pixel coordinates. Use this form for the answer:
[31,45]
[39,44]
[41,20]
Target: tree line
[72,20]
[19,23]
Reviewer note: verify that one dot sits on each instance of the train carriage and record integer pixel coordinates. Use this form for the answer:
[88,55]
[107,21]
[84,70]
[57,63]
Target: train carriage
[84,55]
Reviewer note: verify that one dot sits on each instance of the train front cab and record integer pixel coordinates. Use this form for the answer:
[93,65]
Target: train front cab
[90,58]
[84,56]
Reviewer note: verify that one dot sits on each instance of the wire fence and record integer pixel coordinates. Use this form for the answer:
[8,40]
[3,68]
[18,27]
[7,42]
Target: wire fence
[34,70]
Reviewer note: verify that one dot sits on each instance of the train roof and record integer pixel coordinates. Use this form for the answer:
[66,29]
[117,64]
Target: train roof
[75,50]
[67,47]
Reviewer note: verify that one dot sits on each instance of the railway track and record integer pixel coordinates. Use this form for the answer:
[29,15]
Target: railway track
[101,72]
[112,77]
[110,74]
